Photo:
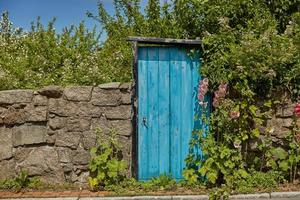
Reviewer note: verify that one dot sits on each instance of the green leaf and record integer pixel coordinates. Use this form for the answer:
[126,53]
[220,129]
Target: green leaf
[255,132]
[279,153]
[284,165]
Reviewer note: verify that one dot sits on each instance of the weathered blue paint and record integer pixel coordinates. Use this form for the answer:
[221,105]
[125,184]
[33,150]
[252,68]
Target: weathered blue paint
[167,106]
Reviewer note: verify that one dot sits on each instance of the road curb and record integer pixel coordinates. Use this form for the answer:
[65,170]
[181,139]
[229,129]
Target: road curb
[250,196]
[273,195]
[285,195]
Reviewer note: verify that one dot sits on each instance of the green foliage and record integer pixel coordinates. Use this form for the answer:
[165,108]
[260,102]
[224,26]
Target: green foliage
[22,180]
[259,181]
[255,50]
[106,165]
[160,183]
[42,56]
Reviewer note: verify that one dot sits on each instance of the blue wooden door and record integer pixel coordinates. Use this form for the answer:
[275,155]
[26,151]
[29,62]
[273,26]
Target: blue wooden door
[167,105]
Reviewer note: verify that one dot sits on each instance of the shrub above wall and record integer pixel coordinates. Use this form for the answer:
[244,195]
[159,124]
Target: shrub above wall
[49,132]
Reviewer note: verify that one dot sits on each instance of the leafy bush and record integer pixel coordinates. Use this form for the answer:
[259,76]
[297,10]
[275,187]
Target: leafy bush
[22,180]
[42,56]
[106,165]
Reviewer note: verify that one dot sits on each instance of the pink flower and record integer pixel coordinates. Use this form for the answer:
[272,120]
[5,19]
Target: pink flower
[219,94]
[234,114]
[297,110]
[202,90]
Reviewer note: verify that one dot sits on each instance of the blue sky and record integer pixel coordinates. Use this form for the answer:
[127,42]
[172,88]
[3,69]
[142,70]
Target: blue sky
[67,12]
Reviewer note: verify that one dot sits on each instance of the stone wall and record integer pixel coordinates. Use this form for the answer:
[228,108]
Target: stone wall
[49,132]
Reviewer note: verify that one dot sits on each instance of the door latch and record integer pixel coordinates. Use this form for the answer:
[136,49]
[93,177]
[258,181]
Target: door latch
[144,122]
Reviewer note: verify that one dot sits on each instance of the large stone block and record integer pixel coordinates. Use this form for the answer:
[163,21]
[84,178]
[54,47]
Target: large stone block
[78,93]
[103,97]
[67,139]
[64,155]
[277,128]
[29,134]
[15,96]
[56,122]
[89,139]
[7,169]
[6,143]
[126,86]
[51,91]
[285,110]
[122,127]
[119,112]
[81,157]
[13,116]
[126,98]
[40,161]
[39,100]
[76,124]
[109,86]
[66,108]
[100,124]
[36,113]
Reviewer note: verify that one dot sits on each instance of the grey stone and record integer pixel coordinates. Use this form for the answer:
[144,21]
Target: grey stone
[80,157]
[285,110]
[285,195]
[287,122]
[126,98]
[67,139]
[78,124]
[40,161]
[120,112]
[36,113]
[276,127]
[13,116]
[102,97]
[113,85]
[125,86]
[81,178]
[89,139]
[64,155]
[50,139]
[100,124]
[39,100]
[29,134]
[6,143]
[15,96]
[51,91]
[67,167]
[250,196]
[78,93]
[7,169]
[57,122]
[66,108]
[122,127]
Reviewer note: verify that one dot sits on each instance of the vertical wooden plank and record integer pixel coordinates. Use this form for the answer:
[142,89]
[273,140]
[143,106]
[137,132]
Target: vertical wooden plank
[196,122]
[164,111]
[142,112]
[187,101]
[175,95]
[152,121]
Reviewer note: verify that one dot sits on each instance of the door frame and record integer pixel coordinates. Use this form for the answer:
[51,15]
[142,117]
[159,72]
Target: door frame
[188,44]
